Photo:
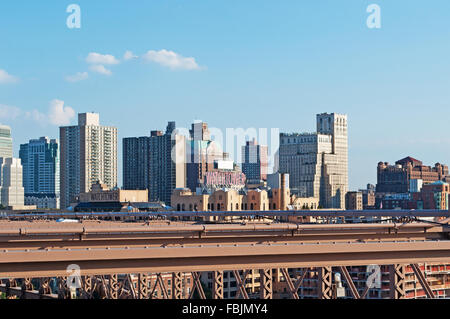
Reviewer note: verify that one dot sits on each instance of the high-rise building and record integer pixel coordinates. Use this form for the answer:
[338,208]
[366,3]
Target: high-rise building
[254,161]
[88,154]
[203,153]
[11,186]
[40,161]
[167,163]
[6,149]
[136,163]
[156,163]
[317,163]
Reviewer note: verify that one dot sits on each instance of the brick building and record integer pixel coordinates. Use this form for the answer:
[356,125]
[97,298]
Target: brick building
[396,178]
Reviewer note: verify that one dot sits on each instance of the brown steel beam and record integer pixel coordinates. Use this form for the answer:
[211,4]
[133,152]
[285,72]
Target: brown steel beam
[423,281]
[241,281]
[293,292]
[162,285]
[113,286]
[82,236]
[217,284]
[350,282]
[265,279]
[177,285]
[397,281]
[87,285]
[53,263]
[143,286]
[197,286]
[299,281]
[325,275]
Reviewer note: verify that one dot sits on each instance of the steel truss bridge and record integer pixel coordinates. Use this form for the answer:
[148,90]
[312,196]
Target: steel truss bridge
[108,252]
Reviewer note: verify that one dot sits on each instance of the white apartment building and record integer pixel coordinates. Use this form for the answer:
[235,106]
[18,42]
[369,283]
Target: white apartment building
[88,154]
[11,186]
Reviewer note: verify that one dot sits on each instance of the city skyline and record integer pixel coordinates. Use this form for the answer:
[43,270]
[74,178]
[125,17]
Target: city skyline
[269,65]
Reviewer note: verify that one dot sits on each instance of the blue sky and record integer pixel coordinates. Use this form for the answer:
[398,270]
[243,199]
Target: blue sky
[261,64]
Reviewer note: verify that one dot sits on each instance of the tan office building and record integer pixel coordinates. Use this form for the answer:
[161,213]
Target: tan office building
[88,155]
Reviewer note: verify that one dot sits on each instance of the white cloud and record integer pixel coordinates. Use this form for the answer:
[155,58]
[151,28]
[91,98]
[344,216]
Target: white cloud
[97,58]
[171,59]
[7,78]
[9,112]
[80,76]
[129,55]
[98,68]
[59,114]
[36,116]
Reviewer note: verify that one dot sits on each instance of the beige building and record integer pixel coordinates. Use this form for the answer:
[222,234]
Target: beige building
[6,148]
[102,193]
[88,154]
[221,200]
[101,197]
[317,163]
[354,201]
[11,183]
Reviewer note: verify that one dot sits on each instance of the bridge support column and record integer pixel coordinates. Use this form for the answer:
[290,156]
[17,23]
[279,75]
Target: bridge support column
[325,276]
[143,286]
[397,281]
[265,279]
[113,286]
[44,289]
[177,285]
[87,286]
[63,291]
[10,283]
[26,285]
[218,285]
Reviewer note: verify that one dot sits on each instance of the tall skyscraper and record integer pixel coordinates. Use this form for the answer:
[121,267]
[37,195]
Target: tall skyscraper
[6,149]
[156,163]
[136,165]
[88,154]
[318,162]
[254,161]
[40,161]
[203,152]
[11,185]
